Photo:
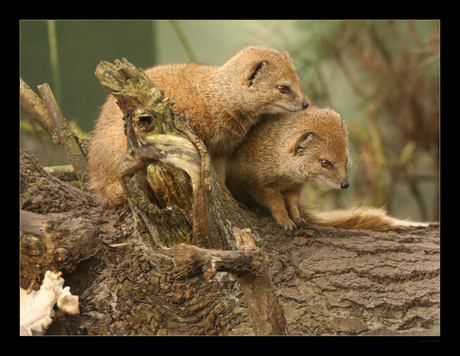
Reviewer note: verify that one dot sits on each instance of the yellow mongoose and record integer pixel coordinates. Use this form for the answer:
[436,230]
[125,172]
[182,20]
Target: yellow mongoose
[279,157]
[221,104]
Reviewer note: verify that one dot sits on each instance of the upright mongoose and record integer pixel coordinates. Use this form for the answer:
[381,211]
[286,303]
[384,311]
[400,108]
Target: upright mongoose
[221,103]
[279,157]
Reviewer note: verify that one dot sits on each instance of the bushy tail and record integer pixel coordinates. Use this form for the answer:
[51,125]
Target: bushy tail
[355,218]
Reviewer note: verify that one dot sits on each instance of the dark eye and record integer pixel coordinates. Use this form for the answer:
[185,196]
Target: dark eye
[283,89]
[325,163]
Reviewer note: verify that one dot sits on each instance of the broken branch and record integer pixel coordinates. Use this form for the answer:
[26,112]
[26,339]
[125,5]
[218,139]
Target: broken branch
[36,109]
[64,133]
[249,264]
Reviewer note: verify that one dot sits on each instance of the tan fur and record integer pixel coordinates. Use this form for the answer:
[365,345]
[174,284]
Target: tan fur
[221,103]
[356,218]
[279,157]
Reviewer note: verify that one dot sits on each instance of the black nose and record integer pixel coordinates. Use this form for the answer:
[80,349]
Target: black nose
[305,104]
[344,184]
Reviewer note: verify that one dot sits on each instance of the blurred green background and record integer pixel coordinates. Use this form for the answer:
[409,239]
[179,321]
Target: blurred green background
[381,76]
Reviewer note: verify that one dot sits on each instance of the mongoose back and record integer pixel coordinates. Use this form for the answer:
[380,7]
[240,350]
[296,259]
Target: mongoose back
[221,103]
[279,157]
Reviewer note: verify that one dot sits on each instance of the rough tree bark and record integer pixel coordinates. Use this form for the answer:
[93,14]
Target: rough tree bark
[319,281]
[249,265]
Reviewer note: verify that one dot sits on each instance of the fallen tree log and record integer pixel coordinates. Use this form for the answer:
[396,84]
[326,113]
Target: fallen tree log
[327,281]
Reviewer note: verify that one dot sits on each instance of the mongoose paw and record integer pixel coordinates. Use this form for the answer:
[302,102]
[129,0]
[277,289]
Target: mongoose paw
[286,224]
[299,221]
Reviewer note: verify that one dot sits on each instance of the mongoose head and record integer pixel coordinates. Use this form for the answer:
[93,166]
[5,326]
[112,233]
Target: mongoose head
[319,149]
[268,81]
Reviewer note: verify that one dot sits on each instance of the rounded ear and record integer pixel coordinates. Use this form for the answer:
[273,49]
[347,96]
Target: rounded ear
[302,142]
[252,72]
